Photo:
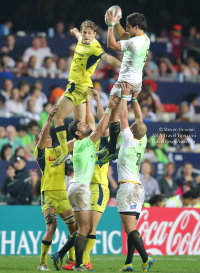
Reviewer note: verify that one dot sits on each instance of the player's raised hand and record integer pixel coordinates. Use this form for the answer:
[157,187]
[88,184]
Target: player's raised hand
[126,88]
[54,110]
[74,31]
[113,101]
[135,95]
[95,94]
[111,19]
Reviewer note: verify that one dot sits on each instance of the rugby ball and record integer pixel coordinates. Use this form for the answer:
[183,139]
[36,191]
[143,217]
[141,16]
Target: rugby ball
[117,12]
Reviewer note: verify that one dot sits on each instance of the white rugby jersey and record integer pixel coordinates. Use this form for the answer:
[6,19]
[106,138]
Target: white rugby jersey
[130,156]
[135,54]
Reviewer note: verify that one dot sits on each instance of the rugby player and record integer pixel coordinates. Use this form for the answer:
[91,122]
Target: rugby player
[99,184]
[130,196]
[53,188]
[84,158]
[87,54]
[135,45]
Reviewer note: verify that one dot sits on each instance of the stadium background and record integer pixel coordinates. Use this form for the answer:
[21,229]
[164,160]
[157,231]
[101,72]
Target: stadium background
[169,28]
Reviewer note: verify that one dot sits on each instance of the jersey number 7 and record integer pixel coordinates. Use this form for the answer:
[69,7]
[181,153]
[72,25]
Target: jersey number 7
[139,159]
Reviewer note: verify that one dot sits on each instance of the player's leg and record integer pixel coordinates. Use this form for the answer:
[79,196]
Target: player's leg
[50,219]
[130,222]
[80,112]
[66,106]
[91,238]
[69,220]
[130,198]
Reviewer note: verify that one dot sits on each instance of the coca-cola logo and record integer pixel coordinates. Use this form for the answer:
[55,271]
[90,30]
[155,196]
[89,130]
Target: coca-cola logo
[170,232]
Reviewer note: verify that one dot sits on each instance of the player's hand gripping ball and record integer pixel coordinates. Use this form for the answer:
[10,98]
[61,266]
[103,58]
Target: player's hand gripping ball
[117,13]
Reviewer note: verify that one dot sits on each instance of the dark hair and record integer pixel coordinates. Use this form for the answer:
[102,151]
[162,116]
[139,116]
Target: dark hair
[10,165]
[33,89]
[5,147]
[89,24]
[190,194]
[22,128]
[31,124]
[137,19]
[37,136]
[155,199]
[16,151]
[73,128]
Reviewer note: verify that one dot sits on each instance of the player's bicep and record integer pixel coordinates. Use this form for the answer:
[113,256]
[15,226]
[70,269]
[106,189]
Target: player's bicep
[125,36]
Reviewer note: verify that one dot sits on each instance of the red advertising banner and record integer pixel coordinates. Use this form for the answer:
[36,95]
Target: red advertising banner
[168,231]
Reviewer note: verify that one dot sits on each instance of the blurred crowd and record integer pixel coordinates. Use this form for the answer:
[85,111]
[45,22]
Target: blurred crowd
[181,63]
[22,187]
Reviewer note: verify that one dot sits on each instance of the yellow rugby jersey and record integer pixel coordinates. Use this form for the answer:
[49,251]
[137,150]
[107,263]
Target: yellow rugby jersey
[53,179]
[100,175]
[84,63]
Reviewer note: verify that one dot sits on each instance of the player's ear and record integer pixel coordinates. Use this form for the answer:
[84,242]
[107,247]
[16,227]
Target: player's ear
[95,34]
[77,133]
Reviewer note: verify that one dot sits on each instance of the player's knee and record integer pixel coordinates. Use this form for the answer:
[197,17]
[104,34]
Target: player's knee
[51,222]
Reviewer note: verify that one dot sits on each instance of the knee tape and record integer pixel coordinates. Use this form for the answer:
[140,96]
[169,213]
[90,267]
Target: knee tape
[50,219]
[69,220]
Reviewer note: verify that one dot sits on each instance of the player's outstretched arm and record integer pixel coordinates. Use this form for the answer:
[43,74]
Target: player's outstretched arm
[111,60]
[136,107]
[103,124]
[121,33]
[100,110]
[90,121]
[123,106]
[46,128]
[76,33]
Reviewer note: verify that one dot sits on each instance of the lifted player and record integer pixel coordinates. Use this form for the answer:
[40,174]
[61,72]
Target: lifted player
[53,188]
[130,196]
[86,56]
[135,45]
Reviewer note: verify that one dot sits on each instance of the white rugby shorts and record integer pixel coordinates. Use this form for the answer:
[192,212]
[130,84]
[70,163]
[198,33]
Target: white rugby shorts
[130,197]
[79,196]
[117,89]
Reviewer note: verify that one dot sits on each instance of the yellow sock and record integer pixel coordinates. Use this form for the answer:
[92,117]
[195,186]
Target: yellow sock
[71,254]
[62,138]
[44,252]
[91,239]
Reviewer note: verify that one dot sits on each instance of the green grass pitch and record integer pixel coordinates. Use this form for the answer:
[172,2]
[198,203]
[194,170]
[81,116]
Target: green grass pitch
[107,263]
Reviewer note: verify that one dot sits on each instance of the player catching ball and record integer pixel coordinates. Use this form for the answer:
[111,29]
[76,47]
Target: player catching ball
[86,56]
[135,45]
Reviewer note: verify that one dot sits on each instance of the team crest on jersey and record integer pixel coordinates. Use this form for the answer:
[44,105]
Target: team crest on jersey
[132,206]
[51,159]
[86,48]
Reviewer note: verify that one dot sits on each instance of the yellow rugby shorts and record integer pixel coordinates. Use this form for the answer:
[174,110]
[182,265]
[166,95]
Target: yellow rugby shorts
[100,195]
[77,93]
[55,199]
